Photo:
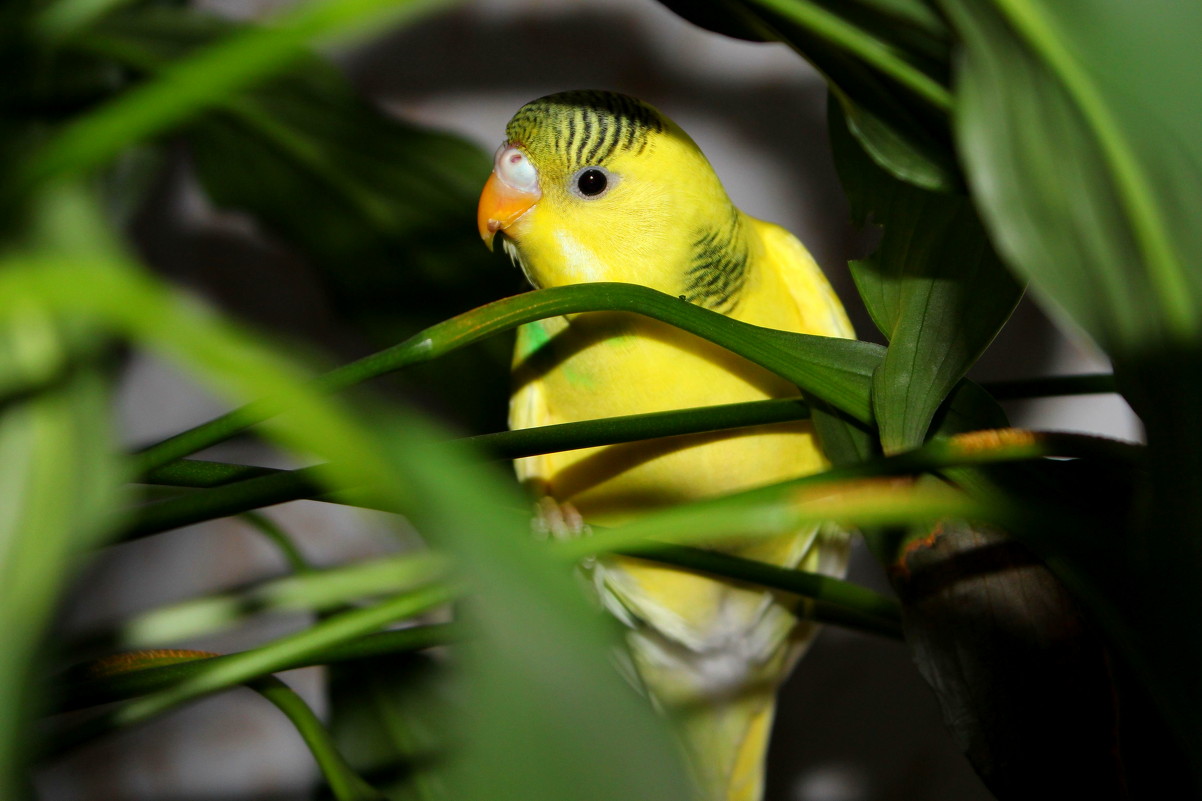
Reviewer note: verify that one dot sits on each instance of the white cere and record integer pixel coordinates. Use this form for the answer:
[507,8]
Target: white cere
[514,169]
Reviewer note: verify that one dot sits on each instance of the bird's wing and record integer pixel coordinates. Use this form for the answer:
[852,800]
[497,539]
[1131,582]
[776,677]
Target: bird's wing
[822,314]
[528,403]
[821,311]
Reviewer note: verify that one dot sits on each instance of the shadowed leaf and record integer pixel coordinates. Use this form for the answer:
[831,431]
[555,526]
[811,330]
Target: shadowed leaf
[934,287]
[1084,158]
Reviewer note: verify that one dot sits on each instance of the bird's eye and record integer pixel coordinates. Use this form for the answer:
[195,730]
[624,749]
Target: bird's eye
[591,182]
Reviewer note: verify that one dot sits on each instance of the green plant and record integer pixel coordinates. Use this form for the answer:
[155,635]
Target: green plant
[1055,142]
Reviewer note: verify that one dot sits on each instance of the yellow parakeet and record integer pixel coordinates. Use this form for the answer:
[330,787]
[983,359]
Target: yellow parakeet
[596,186]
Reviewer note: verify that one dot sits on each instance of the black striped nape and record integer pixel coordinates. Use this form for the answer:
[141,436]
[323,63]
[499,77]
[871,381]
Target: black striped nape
[718,266]
[584,128]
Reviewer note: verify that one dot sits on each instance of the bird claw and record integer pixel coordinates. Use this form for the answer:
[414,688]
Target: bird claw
[561,521]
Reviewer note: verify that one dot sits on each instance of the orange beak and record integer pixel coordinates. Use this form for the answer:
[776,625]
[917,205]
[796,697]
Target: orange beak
[502,202]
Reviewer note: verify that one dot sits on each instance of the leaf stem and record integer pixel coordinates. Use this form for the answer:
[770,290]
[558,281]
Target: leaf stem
[236,489]
[866,493]
[225,500]
[345,784]
[275,532]
[317,592]
[239,668]
[229,496]
[837,601]
[821,366]
[126,671]
[120,686]
[1049,386]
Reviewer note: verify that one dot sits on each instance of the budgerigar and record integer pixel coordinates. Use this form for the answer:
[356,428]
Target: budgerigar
[596,186]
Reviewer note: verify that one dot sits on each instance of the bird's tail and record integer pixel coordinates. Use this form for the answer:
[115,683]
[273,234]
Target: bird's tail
[727,745]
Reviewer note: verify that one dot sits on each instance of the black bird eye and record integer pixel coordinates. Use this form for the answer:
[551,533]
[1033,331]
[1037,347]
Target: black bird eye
[591,182]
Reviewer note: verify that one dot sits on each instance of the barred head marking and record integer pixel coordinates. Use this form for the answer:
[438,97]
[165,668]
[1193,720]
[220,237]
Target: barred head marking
[584,127]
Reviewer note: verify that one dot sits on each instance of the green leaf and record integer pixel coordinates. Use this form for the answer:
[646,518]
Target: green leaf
[719,17]
[832,369]
[58,491]
[392,718]
[934,287]
[207,79]
[60,486]
[316,591]
[895,18]
[907,151]
[1085,161]
[1084,152]
[844,439]
[538,652]
[394,200]
[549,717]
[836,601]
[886,62]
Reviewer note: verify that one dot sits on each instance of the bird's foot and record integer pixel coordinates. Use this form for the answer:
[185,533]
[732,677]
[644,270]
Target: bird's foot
[561,521]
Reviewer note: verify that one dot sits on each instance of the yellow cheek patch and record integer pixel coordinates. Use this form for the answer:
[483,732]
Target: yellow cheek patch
[586,266]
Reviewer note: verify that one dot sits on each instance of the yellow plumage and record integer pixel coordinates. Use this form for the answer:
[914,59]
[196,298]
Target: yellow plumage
[594,186]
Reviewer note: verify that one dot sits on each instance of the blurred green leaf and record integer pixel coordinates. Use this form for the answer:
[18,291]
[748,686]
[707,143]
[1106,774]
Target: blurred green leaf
[388,217]
[394,200]
[58,491]
[934,287]
[250,55]
[538,652]
[1086,168]
[323,590]
[1083,145]
[60,482]
[392,718]
[843,495]
[232,670]
[549,716]
[60,19]
[85,685]
[346,784]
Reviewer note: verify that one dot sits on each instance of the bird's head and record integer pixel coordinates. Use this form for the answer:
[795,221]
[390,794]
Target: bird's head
[595,186]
